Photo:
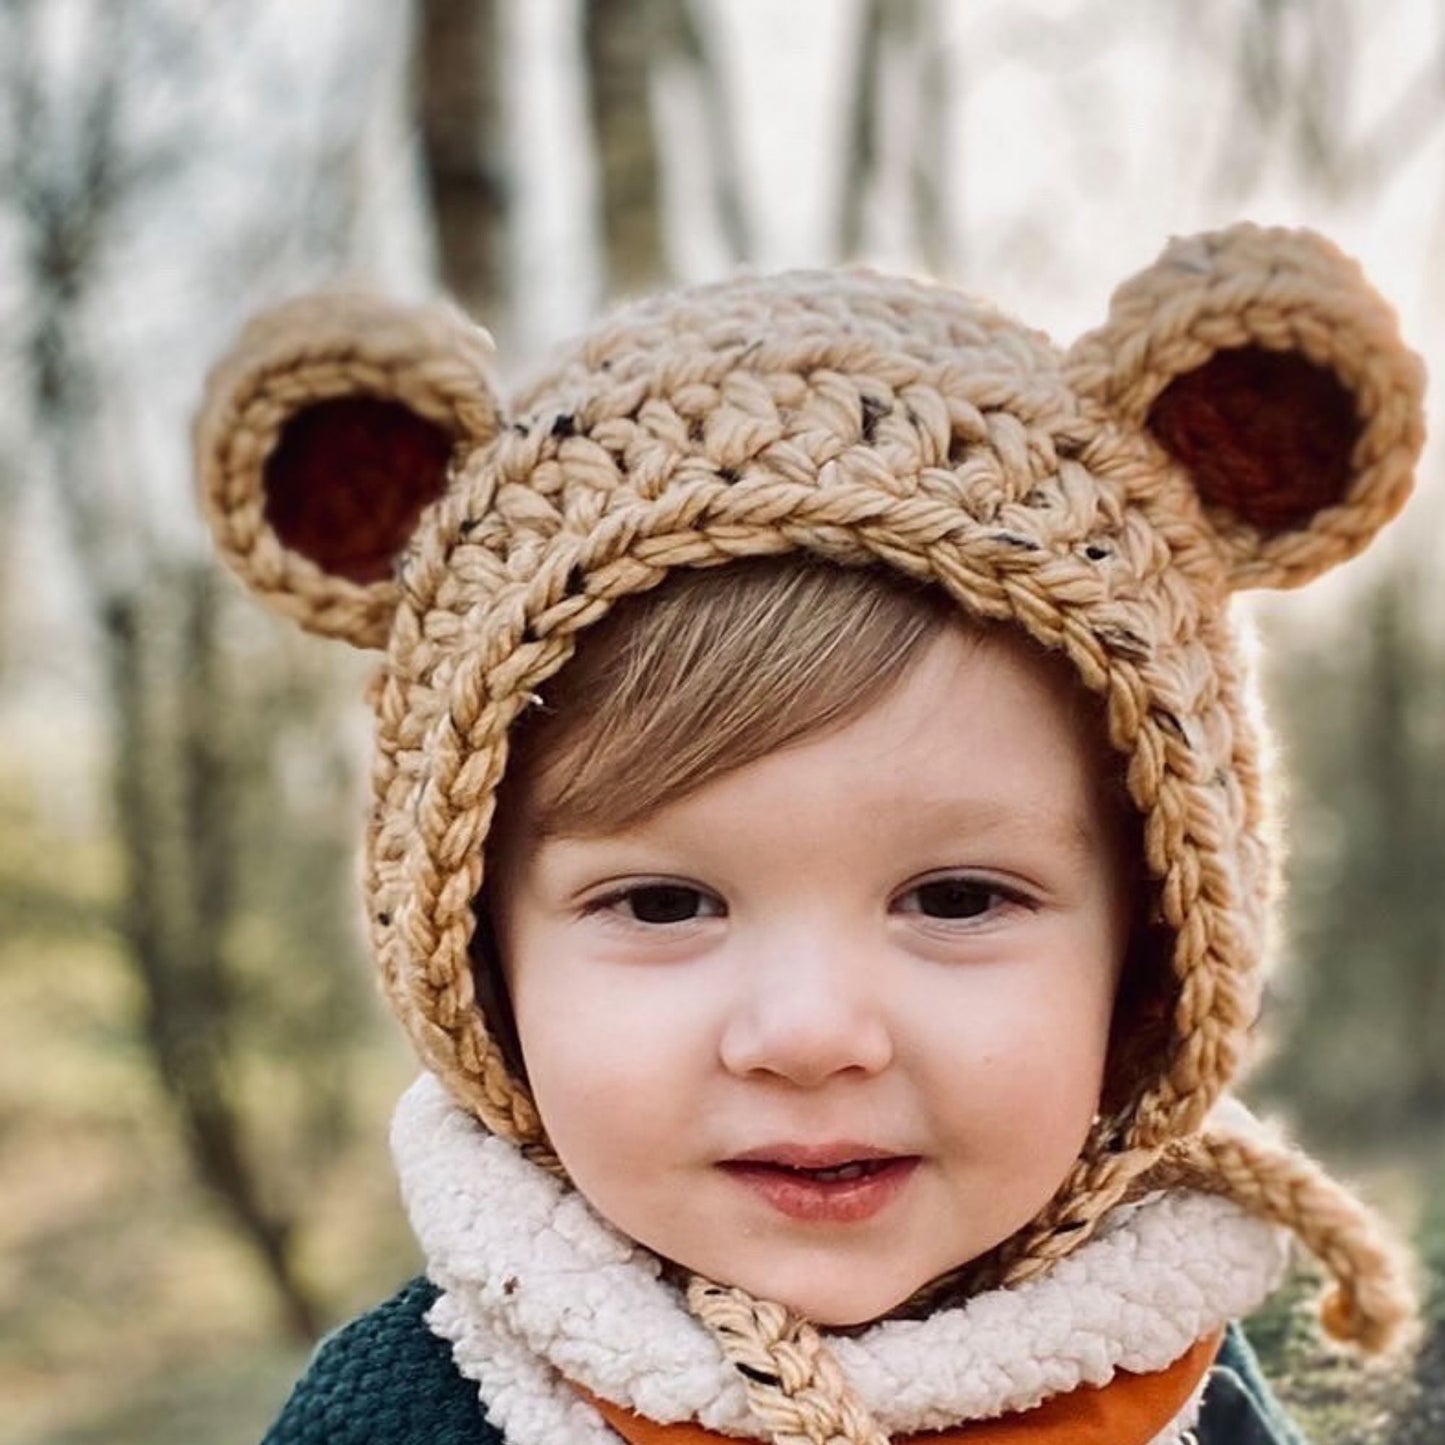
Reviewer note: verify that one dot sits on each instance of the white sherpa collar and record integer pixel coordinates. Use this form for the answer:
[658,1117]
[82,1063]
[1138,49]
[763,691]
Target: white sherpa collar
[538,1290]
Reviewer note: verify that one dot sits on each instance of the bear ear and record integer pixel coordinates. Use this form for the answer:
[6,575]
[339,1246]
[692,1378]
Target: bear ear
[1268,367]
[323,436]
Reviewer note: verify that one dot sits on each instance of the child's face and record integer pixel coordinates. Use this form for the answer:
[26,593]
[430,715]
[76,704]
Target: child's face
[896,942]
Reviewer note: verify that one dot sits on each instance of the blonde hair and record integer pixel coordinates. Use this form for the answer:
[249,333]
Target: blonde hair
[709,672]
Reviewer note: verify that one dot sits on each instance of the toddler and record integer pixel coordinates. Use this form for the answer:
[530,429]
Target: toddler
[820,844]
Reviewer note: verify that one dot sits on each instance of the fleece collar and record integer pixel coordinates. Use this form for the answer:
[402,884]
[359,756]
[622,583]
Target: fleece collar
[1130,1410]
[540,1293]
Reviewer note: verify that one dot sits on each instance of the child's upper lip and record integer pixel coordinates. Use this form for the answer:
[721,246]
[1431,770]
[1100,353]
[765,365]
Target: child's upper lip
[813,1156]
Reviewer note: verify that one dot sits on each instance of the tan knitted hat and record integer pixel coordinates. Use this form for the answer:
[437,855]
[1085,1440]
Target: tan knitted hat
[1247,417]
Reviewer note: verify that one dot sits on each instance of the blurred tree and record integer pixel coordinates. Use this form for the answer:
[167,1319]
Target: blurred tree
[1367,1049]
[1297,74]
[458,83]
[458,76]
[623,42]
[900,83]
[195,733]
[685,44]
[619,38]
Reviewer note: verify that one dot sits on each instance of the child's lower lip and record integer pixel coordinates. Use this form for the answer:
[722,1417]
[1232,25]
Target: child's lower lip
[839,1201]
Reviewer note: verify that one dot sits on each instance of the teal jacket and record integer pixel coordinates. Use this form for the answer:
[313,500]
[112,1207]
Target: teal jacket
[385,1379]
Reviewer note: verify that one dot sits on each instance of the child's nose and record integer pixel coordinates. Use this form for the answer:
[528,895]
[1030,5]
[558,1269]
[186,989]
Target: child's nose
[811,1010]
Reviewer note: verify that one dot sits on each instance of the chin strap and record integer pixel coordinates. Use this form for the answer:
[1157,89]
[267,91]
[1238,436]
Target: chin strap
[797,1390]
[795,1386]
[1371,1304]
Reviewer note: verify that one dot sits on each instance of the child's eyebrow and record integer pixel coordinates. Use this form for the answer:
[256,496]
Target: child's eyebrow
[1076,833]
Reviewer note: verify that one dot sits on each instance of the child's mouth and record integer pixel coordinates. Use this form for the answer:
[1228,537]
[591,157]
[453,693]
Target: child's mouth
[847,1192]
[856,1170]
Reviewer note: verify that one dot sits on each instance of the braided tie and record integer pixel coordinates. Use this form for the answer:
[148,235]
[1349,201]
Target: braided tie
[795,1387]
[1371,1304]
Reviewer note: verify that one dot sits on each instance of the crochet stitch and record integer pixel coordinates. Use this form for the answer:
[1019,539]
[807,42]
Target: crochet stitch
[1246,417]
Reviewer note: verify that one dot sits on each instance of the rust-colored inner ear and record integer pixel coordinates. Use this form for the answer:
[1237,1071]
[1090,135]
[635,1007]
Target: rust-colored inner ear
[1267,435]
[349,478]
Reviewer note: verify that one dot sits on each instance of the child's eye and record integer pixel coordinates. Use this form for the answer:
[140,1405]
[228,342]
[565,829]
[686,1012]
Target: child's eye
[956,899]
[662,903]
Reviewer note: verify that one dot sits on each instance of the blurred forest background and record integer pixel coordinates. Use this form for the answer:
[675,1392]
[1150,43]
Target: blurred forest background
[195,1075]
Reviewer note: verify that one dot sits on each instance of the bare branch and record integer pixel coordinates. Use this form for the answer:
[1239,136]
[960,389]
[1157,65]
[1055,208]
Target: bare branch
[1410,123]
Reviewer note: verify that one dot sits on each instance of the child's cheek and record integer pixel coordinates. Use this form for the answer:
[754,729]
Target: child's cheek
[610,1048]
[1019,1046]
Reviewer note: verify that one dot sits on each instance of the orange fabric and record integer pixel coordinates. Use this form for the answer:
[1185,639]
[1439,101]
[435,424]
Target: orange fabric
[1129,1410]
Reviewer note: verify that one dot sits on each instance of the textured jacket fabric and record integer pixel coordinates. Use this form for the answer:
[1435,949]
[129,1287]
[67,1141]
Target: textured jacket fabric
[385,1379]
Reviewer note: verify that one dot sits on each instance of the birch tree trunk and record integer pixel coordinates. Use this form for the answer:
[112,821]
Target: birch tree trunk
[683,42]
[618,38]
[902,35]
[458,81]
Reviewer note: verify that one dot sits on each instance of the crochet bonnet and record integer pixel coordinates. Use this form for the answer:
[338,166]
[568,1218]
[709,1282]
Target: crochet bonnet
[1246,417]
